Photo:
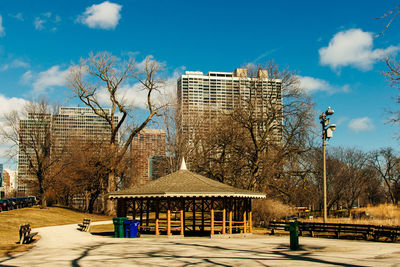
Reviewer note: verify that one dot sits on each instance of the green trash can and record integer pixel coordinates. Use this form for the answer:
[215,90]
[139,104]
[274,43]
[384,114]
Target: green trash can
[294,235]
[119,226]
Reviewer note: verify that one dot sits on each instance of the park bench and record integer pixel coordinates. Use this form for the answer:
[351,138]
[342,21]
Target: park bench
[366,230]
[277,225]
[337,228]
[25,235]
[85,225]
[390,232]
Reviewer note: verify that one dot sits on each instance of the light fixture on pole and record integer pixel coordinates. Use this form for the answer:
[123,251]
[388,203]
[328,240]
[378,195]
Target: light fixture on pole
[327,132]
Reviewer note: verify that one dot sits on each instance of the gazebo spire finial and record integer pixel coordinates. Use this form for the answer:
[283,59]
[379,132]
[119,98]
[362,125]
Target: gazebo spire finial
[183,165]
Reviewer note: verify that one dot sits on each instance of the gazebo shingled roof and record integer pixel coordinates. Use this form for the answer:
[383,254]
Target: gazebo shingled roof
[184,183]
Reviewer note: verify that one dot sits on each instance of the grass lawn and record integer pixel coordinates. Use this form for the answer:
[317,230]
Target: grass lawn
[36,217]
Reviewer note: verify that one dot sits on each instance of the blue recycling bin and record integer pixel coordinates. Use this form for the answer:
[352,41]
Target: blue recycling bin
[131,228]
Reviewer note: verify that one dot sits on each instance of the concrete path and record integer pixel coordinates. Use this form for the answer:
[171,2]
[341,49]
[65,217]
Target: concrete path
[66,246]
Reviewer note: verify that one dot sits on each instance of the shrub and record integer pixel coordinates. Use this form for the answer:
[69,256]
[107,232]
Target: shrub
[265,210]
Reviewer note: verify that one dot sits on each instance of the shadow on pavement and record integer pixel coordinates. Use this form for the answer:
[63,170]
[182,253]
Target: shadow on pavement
[107,234]
[188,254]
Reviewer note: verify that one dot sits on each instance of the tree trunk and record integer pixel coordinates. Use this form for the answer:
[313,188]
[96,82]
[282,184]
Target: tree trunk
[92,200]
[43,201]
[109,204]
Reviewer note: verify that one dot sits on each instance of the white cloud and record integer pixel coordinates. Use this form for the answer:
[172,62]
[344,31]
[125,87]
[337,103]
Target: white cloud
[353,47]
[47,79]
[16,63]
[2,30]
[17,16]
[103,16]
[48,19]
[361,125]
[27,77]
[47,14]
[9,104]
[19,63]
[312,85]
[39,23]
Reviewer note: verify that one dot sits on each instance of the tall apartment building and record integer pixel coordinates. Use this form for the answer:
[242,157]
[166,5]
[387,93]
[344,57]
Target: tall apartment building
[147,148]
[69,122]
[9,183]
[206,97]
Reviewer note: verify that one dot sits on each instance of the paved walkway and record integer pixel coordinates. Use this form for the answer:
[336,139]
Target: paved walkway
[66,246]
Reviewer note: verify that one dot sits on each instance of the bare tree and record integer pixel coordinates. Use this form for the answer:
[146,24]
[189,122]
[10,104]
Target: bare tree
[105,72]
[389,16]
[387,163]
[393,65]
[258,149]
[353,175]
[33,138]
[88,168]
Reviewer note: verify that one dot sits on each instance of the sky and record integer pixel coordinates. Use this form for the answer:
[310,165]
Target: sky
[332,46]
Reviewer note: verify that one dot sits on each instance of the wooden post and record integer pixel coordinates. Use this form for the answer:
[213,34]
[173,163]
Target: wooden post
[169,221]
[157,229]
[182,225]
[157,216]
[223,221]
[194,215]
[250,223]
[157,209]
[212,221]
[141,211]
[250,216]
[121,207]
[184,214]
[147,211]
[244,222]
[202,215]
[230,221]
[234,207]
[134,209]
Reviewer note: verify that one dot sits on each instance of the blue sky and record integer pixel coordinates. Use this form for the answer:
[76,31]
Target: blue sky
[331,46]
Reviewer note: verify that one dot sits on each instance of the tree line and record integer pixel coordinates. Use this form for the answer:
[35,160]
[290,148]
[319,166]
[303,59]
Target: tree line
[276,151]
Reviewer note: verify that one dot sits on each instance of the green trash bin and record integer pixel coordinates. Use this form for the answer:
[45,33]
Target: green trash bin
[119,226]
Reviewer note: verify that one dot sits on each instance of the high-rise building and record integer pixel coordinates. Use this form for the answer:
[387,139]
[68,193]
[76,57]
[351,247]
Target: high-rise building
[203,98]
[69,122]
[9,179]
[148,149]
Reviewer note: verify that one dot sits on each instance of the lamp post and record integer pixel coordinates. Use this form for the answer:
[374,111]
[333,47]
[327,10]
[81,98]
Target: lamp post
[327,132]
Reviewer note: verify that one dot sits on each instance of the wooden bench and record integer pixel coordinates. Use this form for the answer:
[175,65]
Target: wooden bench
[25,235]
[375,231]
[337,228]
[274,225]
[85,225]
[390,232]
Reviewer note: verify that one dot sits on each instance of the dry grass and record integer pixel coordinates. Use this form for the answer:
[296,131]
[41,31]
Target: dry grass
[269,209]
[36,217]
[383,214]
[103,228]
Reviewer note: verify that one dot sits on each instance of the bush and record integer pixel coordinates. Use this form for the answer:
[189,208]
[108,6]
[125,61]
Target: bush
[265,210]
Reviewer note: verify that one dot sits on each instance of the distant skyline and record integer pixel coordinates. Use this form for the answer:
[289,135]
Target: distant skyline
[332,47]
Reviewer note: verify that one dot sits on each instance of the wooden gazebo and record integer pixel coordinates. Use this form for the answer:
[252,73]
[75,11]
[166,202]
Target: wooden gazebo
[187,203]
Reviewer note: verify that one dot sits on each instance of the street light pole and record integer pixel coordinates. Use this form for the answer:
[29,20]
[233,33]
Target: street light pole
[324,171]
[327,131]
